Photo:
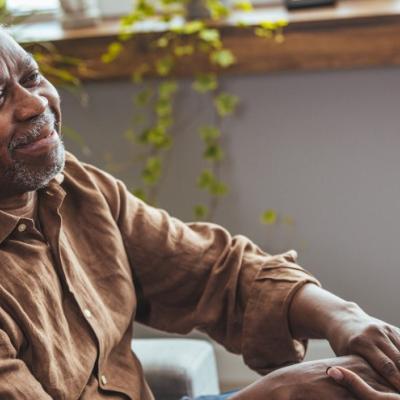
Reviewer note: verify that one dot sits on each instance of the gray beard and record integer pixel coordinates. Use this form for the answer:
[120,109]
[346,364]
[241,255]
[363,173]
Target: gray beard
[26,179]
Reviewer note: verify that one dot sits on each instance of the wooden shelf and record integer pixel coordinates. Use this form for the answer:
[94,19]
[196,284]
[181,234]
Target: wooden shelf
[354,34]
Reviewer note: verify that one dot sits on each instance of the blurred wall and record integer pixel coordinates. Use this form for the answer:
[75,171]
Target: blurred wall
[322,148]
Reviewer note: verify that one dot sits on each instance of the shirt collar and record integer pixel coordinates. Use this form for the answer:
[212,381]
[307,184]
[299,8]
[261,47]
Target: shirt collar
[9,222]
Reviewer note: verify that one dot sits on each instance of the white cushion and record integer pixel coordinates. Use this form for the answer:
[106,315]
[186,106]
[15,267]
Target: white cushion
[178,367]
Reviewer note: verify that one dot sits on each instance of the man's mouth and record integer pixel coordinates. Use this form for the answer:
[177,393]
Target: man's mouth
[40,144]
[29,140]
[42,135]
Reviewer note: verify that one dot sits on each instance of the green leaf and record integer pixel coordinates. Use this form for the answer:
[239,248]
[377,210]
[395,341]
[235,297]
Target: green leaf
[165,122]
[213,152]
[167,89]
[143,97]
[158,137]
[190,27]
[138,74]
[281,23]
[60,74]
[168,2]
[125,35]
[152,172]
[164,65]
[143,138]
[244,6]
[206,179]
[145,9]
[270,25]
[217,9]
[263,33]
[140,194]
[113,51]
[223,58]
[163,41]
[163,107]
[211,36]
[226,104]
[205,83]
[200,211]
[181,51]
[218,189]
[130,19]
[269,217]
[209,133]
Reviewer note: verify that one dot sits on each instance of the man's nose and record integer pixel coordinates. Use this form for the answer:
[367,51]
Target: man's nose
[29,105]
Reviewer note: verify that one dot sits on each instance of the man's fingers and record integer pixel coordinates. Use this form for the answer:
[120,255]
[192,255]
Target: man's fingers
[356,385]
[390,349]
[384,364]
[353,383]
[395,338]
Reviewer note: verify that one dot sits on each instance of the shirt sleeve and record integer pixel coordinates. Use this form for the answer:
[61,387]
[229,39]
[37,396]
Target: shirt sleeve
[197,275]
[16,380]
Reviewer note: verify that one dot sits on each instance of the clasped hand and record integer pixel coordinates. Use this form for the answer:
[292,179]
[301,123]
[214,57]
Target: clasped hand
[309,381]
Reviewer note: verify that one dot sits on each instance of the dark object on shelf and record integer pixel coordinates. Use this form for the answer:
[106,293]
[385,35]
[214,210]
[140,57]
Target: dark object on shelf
[295,4]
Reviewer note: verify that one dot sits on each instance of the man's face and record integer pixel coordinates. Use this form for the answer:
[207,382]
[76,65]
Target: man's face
[31,150]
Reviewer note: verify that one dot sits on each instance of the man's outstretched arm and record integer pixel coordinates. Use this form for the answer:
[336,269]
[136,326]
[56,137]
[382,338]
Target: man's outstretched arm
[199,276]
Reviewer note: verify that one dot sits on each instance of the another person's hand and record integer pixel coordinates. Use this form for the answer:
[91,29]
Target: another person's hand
[308,381]
[356,385]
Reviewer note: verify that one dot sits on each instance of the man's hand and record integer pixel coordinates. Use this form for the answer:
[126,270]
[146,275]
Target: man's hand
[378,342]
[358,386]
[308,381]
[316,313]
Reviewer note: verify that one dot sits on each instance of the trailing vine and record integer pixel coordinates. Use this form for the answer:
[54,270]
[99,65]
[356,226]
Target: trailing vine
[184,40]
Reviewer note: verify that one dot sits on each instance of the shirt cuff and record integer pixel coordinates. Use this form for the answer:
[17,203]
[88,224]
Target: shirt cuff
[267,340]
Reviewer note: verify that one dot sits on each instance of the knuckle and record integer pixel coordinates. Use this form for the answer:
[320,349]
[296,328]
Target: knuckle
[358,341]
[388,368]
[397,359]
[374,330]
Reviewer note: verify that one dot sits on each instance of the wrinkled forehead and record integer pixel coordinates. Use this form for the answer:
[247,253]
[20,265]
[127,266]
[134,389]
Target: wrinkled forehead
[13,58]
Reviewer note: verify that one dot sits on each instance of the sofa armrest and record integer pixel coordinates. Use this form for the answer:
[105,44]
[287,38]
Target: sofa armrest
[178,367]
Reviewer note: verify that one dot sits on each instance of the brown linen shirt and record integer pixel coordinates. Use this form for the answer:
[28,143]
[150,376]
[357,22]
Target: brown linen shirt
[70,292]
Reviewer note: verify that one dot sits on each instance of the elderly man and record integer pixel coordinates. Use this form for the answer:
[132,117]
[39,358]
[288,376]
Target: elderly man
[81,259]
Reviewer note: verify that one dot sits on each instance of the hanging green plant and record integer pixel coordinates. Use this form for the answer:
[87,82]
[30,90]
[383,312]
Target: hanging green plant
[190,37]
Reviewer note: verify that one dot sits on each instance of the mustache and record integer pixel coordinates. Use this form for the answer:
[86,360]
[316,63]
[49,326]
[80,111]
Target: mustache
[35,129]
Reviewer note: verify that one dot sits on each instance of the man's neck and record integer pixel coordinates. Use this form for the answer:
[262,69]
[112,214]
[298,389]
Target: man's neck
[12,204]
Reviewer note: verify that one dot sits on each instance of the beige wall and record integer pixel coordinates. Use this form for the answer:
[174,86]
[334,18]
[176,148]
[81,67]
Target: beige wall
[321,147]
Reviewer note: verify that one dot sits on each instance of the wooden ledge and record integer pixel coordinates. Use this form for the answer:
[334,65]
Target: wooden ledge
[354,34]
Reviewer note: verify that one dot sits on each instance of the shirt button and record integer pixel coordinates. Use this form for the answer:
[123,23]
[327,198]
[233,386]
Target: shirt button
[103,380]
[21,227]
[87,312]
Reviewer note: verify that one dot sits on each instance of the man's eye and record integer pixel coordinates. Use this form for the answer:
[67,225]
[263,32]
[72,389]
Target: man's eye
[33,78]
